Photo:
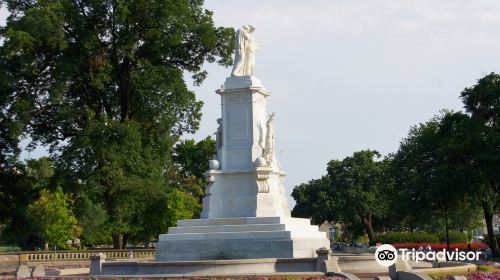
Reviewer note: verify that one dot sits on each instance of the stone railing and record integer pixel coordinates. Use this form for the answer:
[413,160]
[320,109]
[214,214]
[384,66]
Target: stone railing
[355,250]
[85,255]
[67,258]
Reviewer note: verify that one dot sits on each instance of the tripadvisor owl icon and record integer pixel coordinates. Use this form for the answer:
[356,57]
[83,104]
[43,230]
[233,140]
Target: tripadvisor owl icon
[386,255]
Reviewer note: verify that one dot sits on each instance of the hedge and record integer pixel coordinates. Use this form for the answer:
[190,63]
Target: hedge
[455,237]
[420,237]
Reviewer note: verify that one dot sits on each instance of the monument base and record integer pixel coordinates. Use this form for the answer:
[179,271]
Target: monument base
[240,238]
[246,267]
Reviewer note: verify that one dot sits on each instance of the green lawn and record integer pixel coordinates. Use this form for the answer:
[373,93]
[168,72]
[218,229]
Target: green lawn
[7,248]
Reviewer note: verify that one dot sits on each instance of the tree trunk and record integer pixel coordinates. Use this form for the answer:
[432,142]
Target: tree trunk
[46,246]
[124,241]
[124,90]
[446,228]
[488,217]
[447,234]
[117,241]
[367,220]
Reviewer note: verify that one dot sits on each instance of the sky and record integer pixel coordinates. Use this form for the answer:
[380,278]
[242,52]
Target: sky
[351,75]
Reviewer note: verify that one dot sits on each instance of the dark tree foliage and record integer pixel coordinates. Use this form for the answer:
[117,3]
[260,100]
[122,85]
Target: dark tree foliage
[19,187]
[353,194]
[443,173]
[313,200]
[193,157]
[101,84]
[482,102]
[431,171]
[360,184]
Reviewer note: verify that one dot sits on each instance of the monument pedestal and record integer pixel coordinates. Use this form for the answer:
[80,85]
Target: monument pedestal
[240,238]
[245,211]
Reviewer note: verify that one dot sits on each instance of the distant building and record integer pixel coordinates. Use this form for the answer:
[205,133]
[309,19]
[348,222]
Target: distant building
[496,224]
[479,234]
[331,230]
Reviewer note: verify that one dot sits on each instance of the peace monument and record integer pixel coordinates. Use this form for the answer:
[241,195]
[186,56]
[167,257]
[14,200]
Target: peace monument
[245,210]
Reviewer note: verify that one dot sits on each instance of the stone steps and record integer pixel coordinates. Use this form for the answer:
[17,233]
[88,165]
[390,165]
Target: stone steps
[297,230]
[227,228]
[243,228]
[244,237]
[229,221]
[283,234]
[244,221]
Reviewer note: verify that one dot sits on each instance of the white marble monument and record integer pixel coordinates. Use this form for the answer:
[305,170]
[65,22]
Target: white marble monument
[245,211]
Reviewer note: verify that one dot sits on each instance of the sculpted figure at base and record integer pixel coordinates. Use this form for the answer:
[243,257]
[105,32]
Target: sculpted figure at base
[244,52]
[268,153]
[218,134]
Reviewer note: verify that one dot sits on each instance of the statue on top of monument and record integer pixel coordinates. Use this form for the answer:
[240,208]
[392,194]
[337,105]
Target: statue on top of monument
[244,52]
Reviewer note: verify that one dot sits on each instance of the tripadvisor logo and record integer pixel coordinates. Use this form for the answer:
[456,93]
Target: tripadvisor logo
[386,255]
[442,255]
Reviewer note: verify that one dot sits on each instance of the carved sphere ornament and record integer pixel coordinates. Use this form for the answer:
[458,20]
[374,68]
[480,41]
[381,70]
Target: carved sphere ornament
[260,162]
[213,164]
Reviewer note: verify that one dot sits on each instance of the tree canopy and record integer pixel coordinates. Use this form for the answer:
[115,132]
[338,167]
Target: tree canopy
[101,83]
[482,103]
[353,194]
[443,174]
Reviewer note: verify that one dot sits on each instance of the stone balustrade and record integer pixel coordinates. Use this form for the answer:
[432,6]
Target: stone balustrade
[9,261]
[85,255]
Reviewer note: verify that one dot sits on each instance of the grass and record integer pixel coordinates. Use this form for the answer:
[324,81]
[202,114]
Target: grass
[481,268]
[488,268]
[7,248]
[444,275]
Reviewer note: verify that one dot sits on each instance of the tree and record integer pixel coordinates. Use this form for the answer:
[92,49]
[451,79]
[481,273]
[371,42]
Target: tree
[101,84]
[193,160]
[358,183]
[482,102]
[193,157]
[93,221]
[20,186]
[54,218]
[354,194]
[314,200]
[433,165]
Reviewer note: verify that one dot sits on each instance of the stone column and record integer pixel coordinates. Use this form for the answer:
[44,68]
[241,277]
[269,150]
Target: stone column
[96,262]
[400,265]
[326,263]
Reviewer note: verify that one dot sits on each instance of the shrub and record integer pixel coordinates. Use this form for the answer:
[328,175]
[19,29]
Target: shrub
[455,237]
[441,246]
[407,237]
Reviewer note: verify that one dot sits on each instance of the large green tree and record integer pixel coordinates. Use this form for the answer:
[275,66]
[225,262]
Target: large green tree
[434,168]
[101,83]
[359,183]
[482,103]
[354,194]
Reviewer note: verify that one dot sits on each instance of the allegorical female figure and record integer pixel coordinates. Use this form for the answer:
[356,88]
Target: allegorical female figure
[268,153]
[244,53]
